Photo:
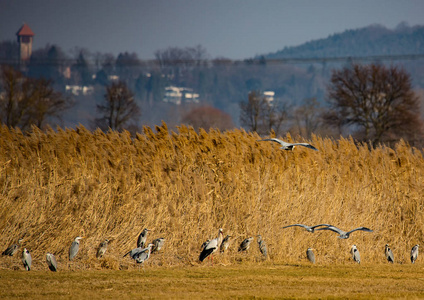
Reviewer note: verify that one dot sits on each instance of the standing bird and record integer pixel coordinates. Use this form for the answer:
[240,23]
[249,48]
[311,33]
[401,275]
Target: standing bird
[344,234]
[262,246]
[141,241]
[245,245]
[51,262]
[310,255]
[26,259]
[158,244]
[225,243]
[11,250]
[142,255]
[102,248]
[389,254]
[308,228]
[414,253]
[73,250]
[355,254]
[211,247]
[289,146]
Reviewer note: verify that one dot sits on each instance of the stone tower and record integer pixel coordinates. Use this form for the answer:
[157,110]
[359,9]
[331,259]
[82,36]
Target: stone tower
[25,37]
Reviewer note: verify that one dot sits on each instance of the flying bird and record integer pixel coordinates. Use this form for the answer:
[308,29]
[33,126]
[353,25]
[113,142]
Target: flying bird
[355,254]
[262,246]
[51,262]
[308,228]
[141,241]
[101,250]
[11,250]
[73,250]
[211,247]
[310,255]
[245,245]
[344,234]
[414,253]
[289,146]
[389,254]
[26,259]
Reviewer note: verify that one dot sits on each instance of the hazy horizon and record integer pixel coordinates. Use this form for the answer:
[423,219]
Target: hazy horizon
[234,29]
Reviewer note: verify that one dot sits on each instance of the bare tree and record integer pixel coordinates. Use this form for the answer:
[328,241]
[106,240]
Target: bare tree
[308,117]
[27,101]
[377,100]
[261,115]
[119,108]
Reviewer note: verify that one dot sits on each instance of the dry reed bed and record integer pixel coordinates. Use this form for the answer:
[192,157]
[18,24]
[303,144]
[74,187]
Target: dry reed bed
[56,185]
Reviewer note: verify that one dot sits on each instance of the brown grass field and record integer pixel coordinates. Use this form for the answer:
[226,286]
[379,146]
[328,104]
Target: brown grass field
[184,186]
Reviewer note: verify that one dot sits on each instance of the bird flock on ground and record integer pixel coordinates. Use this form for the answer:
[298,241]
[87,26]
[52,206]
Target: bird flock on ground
[209,247]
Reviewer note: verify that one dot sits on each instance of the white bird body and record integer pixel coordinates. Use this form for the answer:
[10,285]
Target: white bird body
[308,228]
[355,254]
[344,234]
[212,246]
[414,253]
[289,146]
[26,259]
[51,262]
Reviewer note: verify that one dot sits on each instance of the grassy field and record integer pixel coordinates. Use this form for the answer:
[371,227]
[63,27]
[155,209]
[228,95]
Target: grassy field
[184,186]
[236,281]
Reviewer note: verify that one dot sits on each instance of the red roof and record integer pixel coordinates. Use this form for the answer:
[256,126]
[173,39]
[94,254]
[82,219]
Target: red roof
[25,30]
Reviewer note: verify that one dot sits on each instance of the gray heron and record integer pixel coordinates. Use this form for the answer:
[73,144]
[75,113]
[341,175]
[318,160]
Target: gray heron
[310,255]
[308,228]
[211,247]
[140,255]
[414,253]
[141,241]
[51,262]
[355,254]
[73,250]
[389,254]
[101,250]
[262,246]
[245,244]
[11,250]
[26,259]
[225,243]
[158,244]
[344,234]
[289,146]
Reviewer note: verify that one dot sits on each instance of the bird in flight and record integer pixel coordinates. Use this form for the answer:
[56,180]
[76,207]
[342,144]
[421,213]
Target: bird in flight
[308,228]
[344,234]
[289,146]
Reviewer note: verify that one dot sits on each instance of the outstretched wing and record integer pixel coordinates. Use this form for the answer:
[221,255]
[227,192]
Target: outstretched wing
[300,225]
[332,228]
[360,228]
[306,145]
[282,143]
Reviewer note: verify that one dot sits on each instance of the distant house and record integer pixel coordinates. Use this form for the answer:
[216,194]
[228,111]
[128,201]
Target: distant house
[25,37]
[77,90]
[179,95]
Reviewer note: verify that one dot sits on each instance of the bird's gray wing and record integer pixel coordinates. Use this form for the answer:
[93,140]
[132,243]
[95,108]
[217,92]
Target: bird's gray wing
[282,143]
[332,228]
[300,225]
[319,225]
[306,145]
[360,228]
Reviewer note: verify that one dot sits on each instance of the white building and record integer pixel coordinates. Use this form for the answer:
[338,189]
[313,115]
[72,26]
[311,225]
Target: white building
[179,95]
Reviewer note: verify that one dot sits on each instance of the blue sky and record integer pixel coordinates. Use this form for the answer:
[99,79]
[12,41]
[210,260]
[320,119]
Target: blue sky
[234,29]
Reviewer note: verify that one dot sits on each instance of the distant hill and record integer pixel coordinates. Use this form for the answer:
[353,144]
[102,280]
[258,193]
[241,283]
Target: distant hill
[368,41]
